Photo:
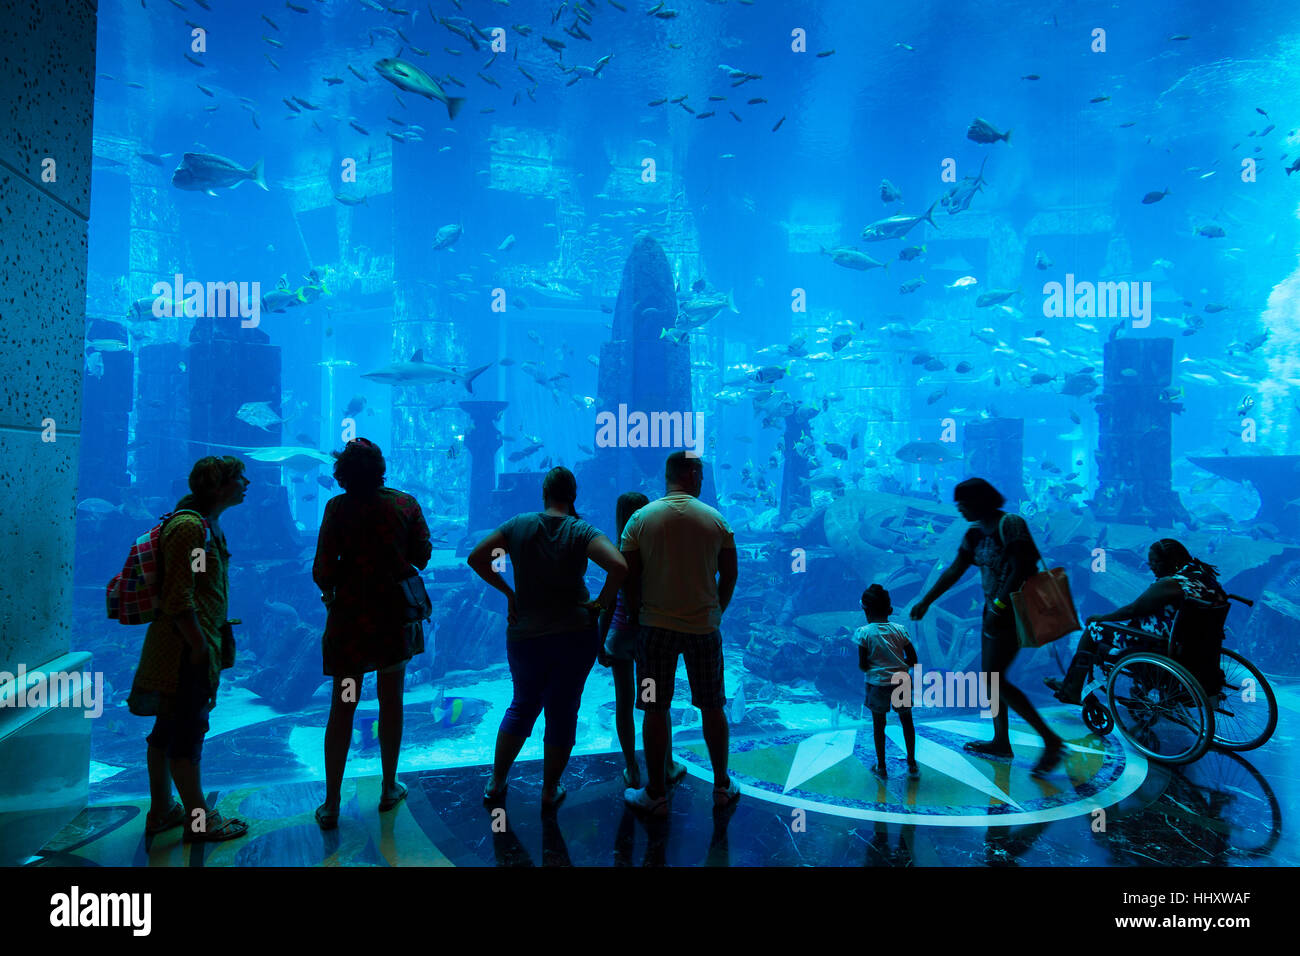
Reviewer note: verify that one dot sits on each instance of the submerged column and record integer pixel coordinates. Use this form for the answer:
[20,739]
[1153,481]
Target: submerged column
[995,451]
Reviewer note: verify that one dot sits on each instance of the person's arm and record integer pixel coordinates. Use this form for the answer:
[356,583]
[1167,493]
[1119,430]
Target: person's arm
[909,654]
[419,547]
[1160,594]
[178,582]
[608,558]
[1021,560]
[950,576]
[728,572]
[480,560]
[632,587]
[864,658]
[325,567]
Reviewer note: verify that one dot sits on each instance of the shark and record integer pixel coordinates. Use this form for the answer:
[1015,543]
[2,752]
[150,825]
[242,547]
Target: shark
[419,372]
[293,457]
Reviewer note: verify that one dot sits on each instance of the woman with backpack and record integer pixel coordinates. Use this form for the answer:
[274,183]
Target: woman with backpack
[1000,545]
[180,662]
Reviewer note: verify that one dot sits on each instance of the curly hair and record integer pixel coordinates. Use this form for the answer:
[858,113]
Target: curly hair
[978,494]
[208,476]
[875,601]
[360,466]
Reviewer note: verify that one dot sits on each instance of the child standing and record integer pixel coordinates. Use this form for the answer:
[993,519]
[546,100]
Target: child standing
[883,651]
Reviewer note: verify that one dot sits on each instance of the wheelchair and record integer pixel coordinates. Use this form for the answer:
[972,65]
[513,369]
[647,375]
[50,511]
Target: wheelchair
[1173,698]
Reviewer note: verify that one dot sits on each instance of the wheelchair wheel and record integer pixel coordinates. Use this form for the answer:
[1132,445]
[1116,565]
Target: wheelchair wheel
[1245,709]
[1097,717]
[1160,708]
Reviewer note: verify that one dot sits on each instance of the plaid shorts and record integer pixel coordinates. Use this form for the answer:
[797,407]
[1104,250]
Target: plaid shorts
[657,649]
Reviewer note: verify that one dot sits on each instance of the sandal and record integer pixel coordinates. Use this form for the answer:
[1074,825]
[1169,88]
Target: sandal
[175,817]
[495,796]
[387,803]
[676,772]
[986,749]
[328,820]
[629,783]
[225,829]
[560,794]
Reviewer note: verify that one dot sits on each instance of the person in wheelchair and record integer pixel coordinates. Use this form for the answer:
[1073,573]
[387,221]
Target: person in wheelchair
[1179,577]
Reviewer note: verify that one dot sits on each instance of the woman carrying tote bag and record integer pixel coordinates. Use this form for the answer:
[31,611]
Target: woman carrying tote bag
[1007,557]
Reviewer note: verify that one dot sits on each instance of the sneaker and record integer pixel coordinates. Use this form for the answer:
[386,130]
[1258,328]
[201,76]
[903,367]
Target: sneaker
[641,800]
[726,796]
[913,771]
[879,772]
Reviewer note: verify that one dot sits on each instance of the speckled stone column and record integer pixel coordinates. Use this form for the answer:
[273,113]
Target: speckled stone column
[46,107]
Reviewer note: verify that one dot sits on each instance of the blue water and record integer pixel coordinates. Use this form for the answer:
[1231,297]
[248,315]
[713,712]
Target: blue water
[748,209]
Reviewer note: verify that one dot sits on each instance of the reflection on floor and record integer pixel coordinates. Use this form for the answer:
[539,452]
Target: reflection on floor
[808,799]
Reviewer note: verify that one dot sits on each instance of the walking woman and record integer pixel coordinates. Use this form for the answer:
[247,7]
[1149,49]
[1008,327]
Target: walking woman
[371,538]
[551,637]
[180,662]
[1006,555]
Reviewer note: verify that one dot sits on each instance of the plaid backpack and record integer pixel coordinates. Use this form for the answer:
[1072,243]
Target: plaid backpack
[135,594]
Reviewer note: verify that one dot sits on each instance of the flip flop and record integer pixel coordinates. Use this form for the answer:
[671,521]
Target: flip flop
[225,829]
[175,817]
[495,796]
[677,774]
[561,793]
[388,803]
[326,819]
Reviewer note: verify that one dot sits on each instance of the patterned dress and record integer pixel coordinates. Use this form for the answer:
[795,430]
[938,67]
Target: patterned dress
[1194,581]
[366,544]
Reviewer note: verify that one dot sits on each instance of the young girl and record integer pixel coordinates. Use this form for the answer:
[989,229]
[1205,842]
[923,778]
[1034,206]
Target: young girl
[618,646]
[883,651]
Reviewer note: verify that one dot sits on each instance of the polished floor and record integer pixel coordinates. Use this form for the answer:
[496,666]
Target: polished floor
[808,798]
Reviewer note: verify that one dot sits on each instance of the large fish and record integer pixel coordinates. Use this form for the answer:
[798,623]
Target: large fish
[896,227]
[852,259]
[419,372]
[409,77]
[447,236]
[958,199]
[982,131]
[206,172]
[927,453]
[699,309]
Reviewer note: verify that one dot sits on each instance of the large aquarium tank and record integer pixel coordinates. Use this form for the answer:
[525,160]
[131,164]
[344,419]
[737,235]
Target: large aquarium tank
[848,252]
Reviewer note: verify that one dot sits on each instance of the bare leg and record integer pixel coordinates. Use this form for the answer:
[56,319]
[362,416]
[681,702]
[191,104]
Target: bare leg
[160,783]
[391,686]
[554,760]
[878,729]
[717,737]
[909,733]
[338,737]
[656,735]
[188,785]
[508,747]
[624,717]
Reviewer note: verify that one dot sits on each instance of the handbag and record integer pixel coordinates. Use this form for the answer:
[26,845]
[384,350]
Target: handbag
[228,644]
[1044,607]
[416,605]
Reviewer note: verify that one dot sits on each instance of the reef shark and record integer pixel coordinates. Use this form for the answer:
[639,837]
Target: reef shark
[419,372]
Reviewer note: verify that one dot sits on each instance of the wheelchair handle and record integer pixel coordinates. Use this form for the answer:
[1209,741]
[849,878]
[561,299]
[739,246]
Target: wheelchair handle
[1245,601]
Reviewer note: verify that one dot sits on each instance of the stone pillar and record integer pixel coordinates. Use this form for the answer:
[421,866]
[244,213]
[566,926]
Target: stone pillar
[1134,469]
[994,451]
[47,98]
[482,441]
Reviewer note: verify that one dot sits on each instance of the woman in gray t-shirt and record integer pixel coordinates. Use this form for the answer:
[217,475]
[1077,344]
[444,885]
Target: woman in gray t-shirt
[551,635]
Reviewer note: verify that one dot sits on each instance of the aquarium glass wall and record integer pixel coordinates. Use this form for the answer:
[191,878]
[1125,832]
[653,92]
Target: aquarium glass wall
[849,252]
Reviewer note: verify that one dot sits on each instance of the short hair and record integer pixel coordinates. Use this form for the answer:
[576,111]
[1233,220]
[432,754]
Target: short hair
[360,466]
[979,494]
[628,504]
[875,601]
[208,476]
[559,487]
[681,467]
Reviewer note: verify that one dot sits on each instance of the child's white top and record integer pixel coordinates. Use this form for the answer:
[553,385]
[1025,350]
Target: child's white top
[885,645]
